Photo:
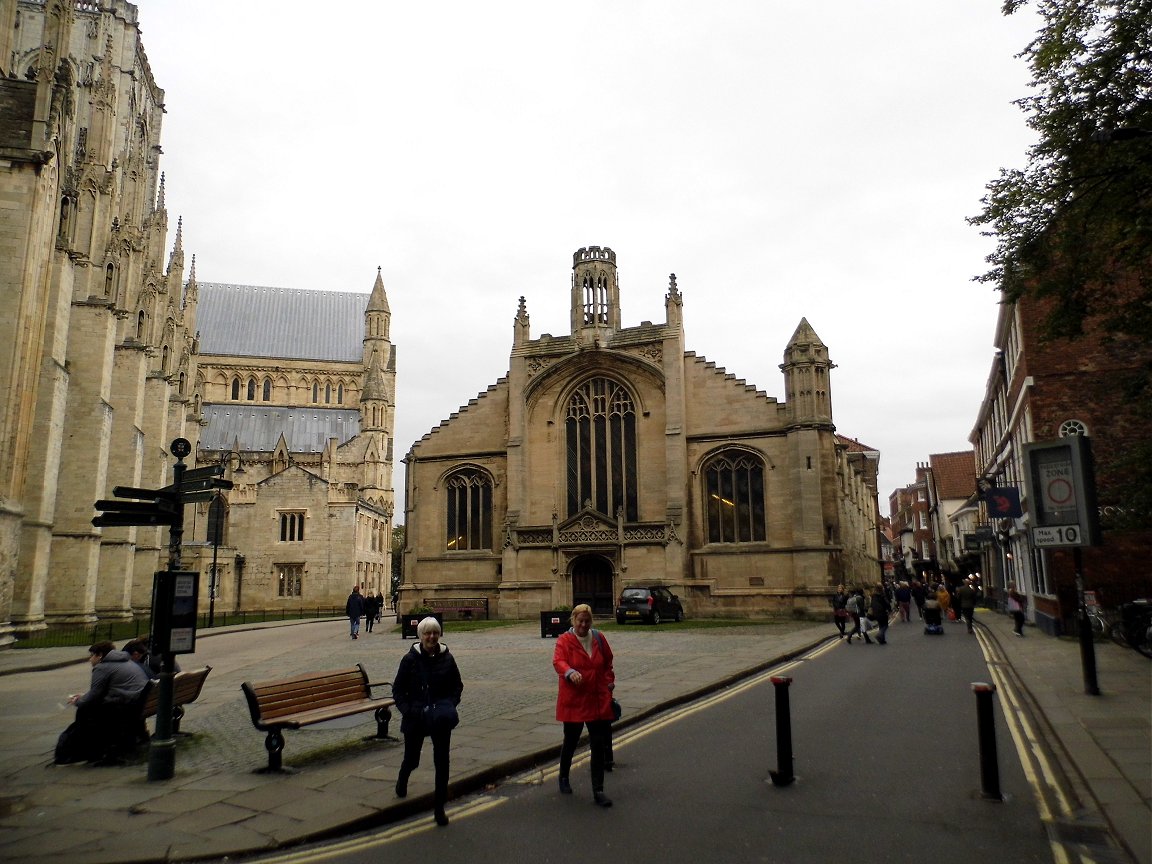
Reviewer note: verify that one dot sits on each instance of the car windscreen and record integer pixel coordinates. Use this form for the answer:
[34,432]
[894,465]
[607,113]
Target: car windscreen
[635,594]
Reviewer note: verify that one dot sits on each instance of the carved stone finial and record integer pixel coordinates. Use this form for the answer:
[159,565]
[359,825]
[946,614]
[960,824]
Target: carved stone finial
[672,289]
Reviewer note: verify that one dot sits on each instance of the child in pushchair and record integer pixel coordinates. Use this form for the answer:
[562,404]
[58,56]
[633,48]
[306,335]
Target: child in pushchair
[933,621]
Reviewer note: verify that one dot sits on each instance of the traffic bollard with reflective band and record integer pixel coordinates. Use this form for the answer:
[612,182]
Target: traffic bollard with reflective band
[783,776]
[986,723]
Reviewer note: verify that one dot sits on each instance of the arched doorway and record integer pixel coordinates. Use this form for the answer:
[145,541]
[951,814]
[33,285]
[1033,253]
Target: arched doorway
[592,584]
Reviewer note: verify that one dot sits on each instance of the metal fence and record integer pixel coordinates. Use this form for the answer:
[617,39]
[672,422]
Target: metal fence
[58,636]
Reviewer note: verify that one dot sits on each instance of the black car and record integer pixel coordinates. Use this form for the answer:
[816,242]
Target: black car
[652,604]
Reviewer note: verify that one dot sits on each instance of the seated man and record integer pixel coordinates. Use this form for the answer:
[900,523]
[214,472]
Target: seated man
[104,715]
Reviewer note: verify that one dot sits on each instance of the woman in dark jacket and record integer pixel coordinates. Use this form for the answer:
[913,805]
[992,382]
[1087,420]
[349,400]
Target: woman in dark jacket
[427,690]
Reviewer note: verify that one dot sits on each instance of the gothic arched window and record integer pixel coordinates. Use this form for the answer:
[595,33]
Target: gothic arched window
[469,496]
[235,388]
[600,436]
[251,389]
[734,497]
[267,394]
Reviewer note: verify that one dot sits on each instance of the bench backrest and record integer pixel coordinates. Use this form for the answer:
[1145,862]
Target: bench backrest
[269,700]
[186,687]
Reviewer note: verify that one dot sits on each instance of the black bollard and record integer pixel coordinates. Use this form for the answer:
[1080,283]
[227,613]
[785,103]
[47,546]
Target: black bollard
[784,775]
[985,721]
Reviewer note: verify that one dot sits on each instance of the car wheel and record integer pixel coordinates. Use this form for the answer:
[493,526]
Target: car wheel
[679,616]
[655,619]
[620,619]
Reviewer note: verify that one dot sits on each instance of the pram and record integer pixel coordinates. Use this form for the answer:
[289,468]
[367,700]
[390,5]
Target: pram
[933,624]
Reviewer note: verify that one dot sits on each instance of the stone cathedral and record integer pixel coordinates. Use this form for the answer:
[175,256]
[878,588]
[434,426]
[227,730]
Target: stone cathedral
[612,456]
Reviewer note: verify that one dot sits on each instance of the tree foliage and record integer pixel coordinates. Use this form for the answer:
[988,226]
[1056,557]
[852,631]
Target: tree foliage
[1075,225]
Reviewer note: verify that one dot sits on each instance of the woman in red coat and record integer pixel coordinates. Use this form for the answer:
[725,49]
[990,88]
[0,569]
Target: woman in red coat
[583,660]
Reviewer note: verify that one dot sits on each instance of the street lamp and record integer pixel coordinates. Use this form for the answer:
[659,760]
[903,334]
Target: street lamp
[217,511]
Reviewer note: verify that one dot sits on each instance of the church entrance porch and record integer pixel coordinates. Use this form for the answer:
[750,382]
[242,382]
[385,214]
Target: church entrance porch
[592,584]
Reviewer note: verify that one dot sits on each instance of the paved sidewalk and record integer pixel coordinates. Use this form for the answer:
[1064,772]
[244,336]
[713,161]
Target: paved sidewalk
[216,804]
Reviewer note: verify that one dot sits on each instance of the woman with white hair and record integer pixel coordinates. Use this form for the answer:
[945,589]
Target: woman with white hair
[427,690]
[583,660]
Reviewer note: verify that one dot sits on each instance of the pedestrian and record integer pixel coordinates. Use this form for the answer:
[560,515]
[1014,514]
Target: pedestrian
[395,599]
[840,616]
[1017,603]
[354,609]
[856,608]
[945,601]
[379,605]
[966,596]
[427,690]
[104,727]
[904,601]
[880,609]
[919,595]
[369,612]
[583,661]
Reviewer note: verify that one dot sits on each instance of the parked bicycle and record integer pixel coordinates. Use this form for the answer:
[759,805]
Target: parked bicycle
[1134,629]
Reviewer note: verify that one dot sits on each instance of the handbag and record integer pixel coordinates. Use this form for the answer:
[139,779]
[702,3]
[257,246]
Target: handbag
[617,711]
[841,613]
[441,716]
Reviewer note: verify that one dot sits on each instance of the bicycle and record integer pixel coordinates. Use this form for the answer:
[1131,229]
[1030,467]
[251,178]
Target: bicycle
[1134,629]
[1100,621]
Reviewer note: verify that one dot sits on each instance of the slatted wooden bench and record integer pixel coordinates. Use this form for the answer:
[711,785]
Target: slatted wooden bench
[186,687]
[464,607]
[304,700]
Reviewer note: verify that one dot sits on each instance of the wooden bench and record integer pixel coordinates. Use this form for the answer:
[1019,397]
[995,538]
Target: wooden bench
[186,687]
[303,700]
[464,607]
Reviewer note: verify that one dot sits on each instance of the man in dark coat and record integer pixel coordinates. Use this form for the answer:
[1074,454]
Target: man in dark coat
[369,612]
[354,609]
[104,715]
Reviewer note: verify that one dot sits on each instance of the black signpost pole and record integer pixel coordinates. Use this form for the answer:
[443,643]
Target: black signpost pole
[162,753]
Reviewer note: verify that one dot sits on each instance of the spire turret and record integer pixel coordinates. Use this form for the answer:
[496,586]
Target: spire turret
[806,370]
[595,294]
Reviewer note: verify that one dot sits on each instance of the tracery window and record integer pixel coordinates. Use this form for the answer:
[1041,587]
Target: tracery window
[267,394]
[600,437]
[290,582]
[469,516]
[734,497]
[251,389]
[291,527]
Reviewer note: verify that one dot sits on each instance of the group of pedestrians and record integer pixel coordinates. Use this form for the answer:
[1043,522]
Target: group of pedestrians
[428,686]
[864,612]
[367,606]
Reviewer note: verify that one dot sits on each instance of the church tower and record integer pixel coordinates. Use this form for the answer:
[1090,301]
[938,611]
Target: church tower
[377,404]
[806,379]
[595,295]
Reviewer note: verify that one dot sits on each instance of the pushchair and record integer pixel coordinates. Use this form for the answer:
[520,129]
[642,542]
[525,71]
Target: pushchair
[933,621]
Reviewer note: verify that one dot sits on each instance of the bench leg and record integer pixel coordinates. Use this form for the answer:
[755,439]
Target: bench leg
[177,716]
[274,744]
[383,716]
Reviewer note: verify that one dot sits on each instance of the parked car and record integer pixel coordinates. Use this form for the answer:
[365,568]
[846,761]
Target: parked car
[652,604]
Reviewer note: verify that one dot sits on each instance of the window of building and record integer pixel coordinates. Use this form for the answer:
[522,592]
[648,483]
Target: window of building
[236,388]
[315,391]
[267,394]
[340,394]
[469,517]
[291,527]
[290,580]
[251,389]
[734,497]
[600,434]
[1073,427]
[327,394]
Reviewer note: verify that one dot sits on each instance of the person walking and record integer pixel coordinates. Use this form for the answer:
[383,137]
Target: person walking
[369,612]
[379,606]
[856,608]
[880,609]
[840,616]
[919,595]
[966,597]
[904,601]
[1017,603]
[945,600]
[354,609]
[427,689]
[583,661]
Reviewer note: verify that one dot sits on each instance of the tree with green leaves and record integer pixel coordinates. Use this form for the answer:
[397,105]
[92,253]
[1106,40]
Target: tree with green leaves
[1075,225]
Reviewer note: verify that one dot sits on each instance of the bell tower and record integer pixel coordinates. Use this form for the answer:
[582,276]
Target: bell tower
[595,294]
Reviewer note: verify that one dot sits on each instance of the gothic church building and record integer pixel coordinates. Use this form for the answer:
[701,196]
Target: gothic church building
[612,456]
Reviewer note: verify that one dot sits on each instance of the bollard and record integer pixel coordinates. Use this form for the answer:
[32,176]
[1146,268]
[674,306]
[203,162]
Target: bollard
[783,776]
[985,721]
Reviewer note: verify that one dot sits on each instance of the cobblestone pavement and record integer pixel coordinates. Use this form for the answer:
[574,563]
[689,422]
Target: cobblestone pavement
[218,804]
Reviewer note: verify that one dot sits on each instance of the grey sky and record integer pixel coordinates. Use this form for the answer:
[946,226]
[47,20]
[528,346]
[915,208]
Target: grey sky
[785,160]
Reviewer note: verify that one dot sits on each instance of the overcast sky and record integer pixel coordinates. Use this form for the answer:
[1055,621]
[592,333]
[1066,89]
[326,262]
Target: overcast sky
[783,159]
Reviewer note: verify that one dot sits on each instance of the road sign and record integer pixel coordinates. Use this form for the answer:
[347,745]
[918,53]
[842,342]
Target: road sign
[1058,535]
[143,494]
[121,520]
[1003,502]
[203,473]
[204,484]
[158,506]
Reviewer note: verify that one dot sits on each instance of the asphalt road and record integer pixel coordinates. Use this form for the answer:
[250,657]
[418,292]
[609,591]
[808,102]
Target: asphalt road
[886,756]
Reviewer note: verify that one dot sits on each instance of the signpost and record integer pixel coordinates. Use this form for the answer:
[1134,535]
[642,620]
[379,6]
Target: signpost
[1062,497]
[175,593]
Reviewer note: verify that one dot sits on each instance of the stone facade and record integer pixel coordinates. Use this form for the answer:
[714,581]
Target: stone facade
[612,456]
[96,334]
[307,441]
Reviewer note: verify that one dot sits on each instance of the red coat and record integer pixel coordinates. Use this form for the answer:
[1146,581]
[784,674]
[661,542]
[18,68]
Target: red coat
[592,698]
